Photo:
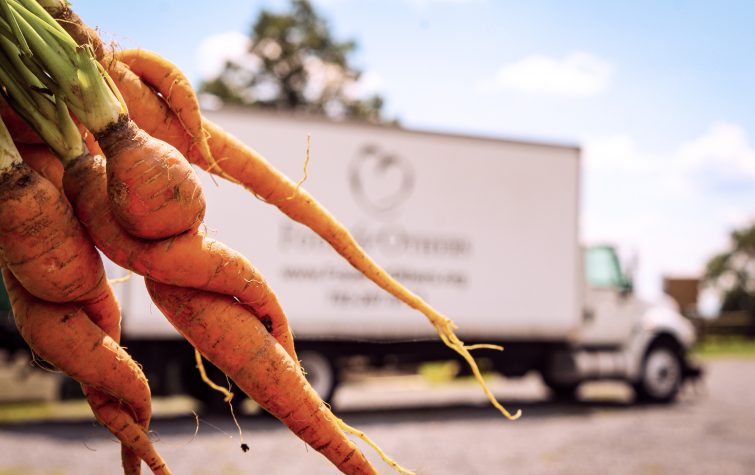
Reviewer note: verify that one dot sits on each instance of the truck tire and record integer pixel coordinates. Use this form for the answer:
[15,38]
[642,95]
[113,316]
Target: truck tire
[661,375]
[561,391]
[321,373]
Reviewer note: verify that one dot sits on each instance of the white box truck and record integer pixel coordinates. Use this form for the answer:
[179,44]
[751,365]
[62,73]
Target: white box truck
[485,230]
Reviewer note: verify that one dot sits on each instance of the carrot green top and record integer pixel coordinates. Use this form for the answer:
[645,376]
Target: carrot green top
[30,97]
[66,69]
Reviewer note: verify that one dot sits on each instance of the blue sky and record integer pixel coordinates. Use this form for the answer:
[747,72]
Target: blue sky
[659,95]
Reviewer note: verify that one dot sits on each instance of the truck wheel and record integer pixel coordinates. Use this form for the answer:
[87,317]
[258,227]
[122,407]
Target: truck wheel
[321,373]
[562,391]
[661,375]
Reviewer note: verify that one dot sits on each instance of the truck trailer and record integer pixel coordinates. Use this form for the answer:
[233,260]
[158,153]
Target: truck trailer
[486,230]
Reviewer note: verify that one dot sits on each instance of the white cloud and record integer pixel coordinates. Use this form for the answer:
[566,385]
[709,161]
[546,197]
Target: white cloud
[576,74]
[615,152]
[215,50]
[675,209]
[724,148]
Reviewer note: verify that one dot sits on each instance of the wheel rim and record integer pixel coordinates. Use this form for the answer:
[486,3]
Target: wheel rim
[319,373]
[662,373]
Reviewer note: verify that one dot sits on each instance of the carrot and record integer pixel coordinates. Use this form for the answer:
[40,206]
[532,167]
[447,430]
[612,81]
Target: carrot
[41,240]
[175,88]
[49,246]
[214,324]
[114,384]
[155,118]
[48,250]
[188,260]
[153,190]
[139,75]
[78,263]
[40,158]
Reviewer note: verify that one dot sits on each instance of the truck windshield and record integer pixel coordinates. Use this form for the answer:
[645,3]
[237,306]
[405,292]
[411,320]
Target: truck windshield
[602,268]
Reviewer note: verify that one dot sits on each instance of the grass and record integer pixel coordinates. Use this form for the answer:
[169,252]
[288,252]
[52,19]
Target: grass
[725,346]
[78,410]
[439,372]
[443,372]
[30,411]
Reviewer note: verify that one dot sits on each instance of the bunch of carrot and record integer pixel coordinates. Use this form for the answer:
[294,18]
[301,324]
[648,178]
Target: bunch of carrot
[124,165]
[62,302]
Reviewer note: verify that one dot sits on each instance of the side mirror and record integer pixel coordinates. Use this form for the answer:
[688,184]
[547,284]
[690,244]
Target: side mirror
[626,288]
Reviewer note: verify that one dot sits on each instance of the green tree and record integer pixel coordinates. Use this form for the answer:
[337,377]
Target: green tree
[732,273]
[295,64]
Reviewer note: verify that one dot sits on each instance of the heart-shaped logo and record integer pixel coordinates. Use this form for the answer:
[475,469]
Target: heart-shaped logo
[380,181]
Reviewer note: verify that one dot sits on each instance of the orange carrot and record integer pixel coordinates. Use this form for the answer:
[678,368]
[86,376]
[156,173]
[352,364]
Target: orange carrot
[164,76]
[67,234]
[113,382]
[160,122]
[42,242]
[154,192]
[228,335]
[40,158]
[69,245]
[188,260]
[18,128]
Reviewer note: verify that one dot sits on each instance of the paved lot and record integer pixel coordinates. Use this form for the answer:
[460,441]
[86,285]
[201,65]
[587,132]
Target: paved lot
[446,430]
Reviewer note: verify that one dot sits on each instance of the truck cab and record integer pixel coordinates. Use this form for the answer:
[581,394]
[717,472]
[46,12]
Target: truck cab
[623,337]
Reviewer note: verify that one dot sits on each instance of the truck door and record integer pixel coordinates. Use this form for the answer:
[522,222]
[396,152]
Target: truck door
[611,310]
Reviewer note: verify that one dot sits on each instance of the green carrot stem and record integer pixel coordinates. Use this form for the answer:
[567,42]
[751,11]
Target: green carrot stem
[71,71]
[26,82]
[46,115]
[39,11]
[13,24]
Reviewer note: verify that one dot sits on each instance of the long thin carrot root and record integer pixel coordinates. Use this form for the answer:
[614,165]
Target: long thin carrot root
[447,335]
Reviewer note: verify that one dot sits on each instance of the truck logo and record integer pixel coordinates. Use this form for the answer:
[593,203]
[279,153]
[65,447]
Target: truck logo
[380,181]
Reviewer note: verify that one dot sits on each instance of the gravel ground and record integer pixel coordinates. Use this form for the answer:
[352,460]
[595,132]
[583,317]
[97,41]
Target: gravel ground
[446,429]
